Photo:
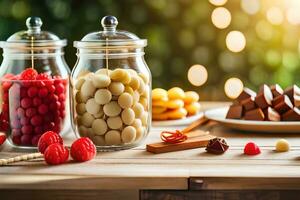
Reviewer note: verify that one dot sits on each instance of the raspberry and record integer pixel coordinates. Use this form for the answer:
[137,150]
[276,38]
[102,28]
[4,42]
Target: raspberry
[56,154]
[83,149]
[2,138]
[28,74]
[251,149]
[47,139]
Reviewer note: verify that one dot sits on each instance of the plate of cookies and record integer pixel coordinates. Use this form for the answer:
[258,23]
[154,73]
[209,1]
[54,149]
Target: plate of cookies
[271,109]
[174,107]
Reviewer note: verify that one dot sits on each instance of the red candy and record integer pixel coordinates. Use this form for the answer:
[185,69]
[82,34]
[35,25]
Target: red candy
[47,139]
[28,74]
[251,149]
[2,138]
[32,104]
[83,149]
[56,154]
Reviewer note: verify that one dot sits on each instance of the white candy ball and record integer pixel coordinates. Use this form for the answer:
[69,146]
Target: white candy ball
[87,119]
[80,108]
[103,96]
[116,88]
[138,110]
[79,82]
[137,123]
[125,100]
[113,137]
[128,134]
[128,116]
[92,107]
[98,140]
[87,88]
[282,145]
[101,80]
[112,109]
[99,126]
[114,122]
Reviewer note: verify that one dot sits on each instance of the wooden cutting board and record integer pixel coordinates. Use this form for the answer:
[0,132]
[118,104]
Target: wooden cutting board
[195,139]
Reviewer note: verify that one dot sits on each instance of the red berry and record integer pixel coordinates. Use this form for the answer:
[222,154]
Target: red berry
[30,112]
[47,139]
[83,149]
[51,88]
[24,121]
[38,130]
[23,92]
[56,154]
[16,139]
[26,102]
[36,101]
[43,92]
[20,112]
[28,74]
[26,139]
[15,123]
[36,120]
[2,138]
[251,149]
[32,91]
[43,109]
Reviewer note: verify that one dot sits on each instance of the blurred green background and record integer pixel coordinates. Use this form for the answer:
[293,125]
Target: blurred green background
[181,33]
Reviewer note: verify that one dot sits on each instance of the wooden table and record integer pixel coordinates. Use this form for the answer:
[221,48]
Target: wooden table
[135,173]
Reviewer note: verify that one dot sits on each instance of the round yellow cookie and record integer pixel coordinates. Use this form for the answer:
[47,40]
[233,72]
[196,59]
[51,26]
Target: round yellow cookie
[174,104]
[176,114]
[158,109]
[159,94]
[191,96]
[193,108]
[176,93]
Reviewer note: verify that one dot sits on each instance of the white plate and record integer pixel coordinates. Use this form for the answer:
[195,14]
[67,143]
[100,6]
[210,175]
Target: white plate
[219,115]
[178,122]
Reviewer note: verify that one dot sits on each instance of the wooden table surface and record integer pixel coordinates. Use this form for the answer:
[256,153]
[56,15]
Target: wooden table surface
[134,169]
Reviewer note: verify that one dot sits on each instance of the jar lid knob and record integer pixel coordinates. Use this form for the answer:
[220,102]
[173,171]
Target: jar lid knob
[34,25]
[109,23]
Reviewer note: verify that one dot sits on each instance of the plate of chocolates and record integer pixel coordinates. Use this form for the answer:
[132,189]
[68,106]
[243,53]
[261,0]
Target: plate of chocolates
[271,109]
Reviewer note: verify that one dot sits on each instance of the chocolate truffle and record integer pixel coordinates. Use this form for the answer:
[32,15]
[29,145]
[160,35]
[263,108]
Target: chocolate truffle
[248,104]
[292,91]
[276,90]
[245,94]
[284,105]
[271,114]
[291,115]
[217,146]
[264,97]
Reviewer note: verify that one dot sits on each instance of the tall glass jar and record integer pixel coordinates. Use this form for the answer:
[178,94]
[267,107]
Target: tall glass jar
[111,86]
[34,85]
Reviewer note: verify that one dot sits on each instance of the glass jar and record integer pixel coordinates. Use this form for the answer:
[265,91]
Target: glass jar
[34,85]
[111,86]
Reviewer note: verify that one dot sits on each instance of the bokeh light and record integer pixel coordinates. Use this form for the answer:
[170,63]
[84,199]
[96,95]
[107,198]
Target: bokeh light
[221,17]
[233,87]
[275,15]
[293,16]
[197,75]
[218,2]
[235,41]
[250,6]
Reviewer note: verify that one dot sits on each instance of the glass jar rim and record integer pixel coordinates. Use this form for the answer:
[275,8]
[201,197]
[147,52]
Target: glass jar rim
[41,44]
[111,44]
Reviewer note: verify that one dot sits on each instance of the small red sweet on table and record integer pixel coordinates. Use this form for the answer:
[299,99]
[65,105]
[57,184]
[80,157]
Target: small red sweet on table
[251,149]
[83,149]
[56,154]
[47,139]
[2,138]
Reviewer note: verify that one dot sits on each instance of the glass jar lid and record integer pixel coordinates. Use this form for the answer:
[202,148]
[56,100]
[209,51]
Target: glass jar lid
[110,37]
[33,37]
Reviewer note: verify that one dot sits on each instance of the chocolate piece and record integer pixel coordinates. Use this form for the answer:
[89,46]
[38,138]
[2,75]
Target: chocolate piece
[246,93]
[291,115]
[256,114]
[248,104]
[217,146]
[235,112]
[264,97]
[297,101]
[276,90]
[271,114]
[283,105]
[278,100]
[292,91]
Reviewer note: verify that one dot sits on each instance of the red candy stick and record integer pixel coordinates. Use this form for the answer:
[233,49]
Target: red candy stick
[251,149]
